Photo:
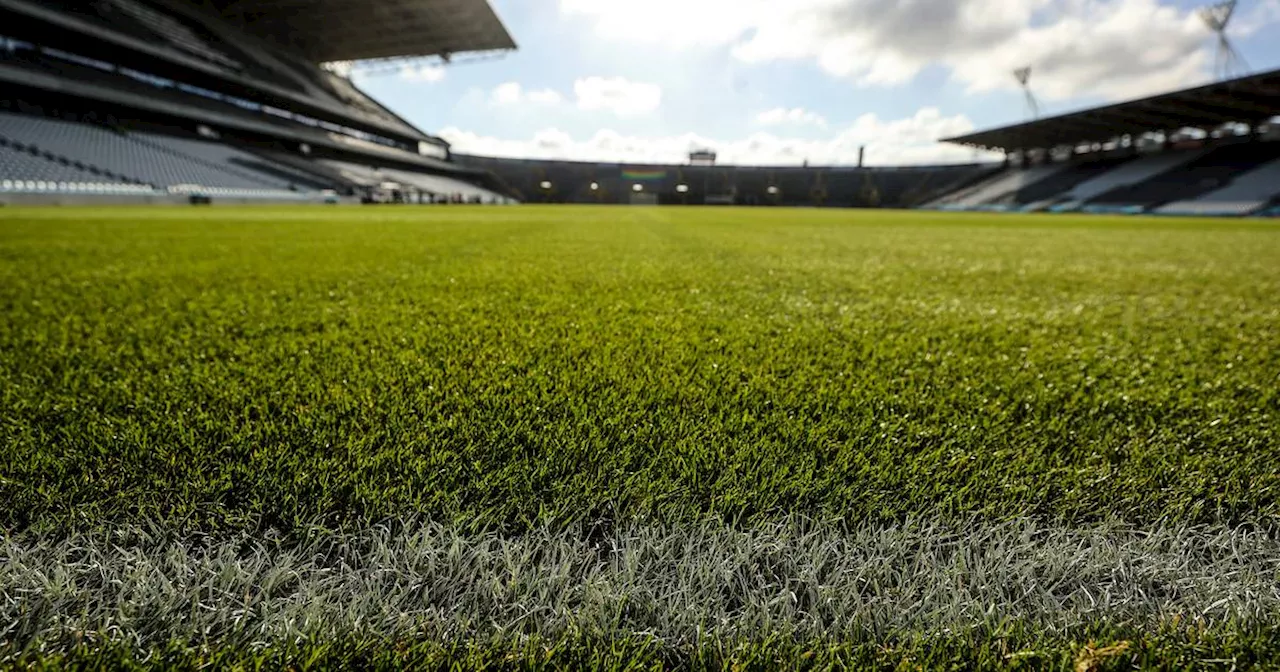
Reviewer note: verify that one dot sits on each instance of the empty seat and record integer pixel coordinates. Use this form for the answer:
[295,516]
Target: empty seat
[16,164]
[229,159]
[438,185]
[1139,170]
[1247,192]
[1001,185]
[356,174]
[441,185]
[126,158]
[27,172]
[1210,171]
[1075,173]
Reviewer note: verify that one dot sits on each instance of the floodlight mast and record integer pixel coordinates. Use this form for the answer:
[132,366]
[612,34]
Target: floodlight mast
[1023,75]
[1228,62]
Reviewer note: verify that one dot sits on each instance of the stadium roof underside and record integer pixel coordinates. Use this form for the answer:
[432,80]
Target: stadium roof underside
[342,30]
[1250,100]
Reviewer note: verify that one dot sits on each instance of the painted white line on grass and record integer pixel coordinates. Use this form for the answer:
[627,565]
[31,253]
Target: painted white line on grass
[680,584]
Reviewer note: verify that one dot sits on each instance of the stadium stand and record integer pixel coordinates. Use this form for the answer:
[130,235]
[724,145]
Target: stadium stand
[227,159]
[986,193]
[752,186]
[1252,99]
[440,188]
[113,92]
[1227,170]
[1137,171]
[957,183]
[792,183]
[570,182]
[1046,192]
[26,169]
[1209,172]
[175,32]
[302,165]
[364,176]
[843,187]
[137,159]
[443,187]
[103,35]
[1247,193]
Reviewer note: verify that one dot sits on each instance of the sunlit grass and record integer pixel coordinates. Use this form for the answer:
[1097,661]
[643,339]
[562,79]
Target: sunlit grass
[502,366]
[528,370]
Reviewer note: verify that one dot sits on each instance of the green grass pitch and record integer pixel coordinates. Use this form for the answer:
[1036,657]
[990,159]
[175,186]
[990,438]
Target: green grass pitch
[263,373]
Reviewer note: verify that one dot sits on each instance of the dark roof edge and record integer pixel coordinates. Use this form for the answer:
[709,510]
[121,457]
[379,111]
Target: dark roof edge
[969,138]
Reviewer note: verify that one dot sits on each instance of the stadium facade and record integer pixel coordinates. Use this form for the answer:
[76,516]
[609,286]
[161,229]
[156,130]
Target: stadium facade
[226,101]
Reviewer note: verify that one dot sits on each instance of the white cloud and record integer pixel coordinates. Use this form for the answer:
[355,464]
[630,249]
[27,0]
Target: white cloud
[617,95]
[909,141]
[424,73]
[508,93]
[545,97]
[1107,48]
[512,93]
[797,116]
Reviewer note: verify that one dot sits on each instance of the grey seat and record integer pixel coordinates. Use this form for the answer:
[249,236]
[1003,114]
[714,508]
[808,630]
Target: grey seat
[23,171]
[131,159]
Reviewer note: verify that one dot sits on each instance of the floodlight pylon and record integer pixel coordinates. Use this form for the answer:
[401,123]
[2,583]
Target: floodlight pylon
[1227,62]
[1023,75]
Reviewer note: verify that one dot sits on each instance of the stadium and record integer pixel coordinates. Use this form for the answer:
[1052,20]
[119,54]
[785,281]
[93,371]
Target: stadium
[290,383]
[131,102]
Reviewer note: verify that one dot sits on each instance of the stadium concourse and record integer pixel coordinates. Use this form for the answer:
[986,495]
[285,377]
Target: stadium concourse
[164,101]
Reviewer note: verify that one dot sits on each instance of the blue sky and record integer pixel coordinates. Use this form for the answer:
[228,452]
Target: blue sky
[779,82]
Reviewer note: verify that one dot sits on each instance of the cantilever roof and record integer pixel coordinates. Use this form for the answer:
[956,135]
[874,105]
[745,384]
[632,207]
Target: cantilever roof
[1248,99]
[352,30]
